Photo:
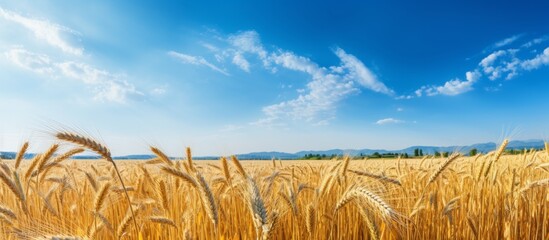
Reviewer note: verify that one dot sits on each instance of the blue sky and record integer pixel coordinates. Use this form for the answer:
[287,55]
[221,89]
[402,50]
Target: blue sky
[241,76]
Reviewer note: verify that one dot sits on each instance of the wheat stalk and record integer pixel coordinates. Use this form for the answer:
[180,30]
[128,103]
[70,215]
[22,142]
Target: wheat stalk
[124,224]
[102,151]
[370,222]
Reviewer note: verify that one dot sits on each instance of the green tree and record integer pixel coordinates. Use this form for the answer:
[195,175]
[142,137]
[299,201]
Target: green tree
[473,152]
[445,154]
[416,152]
[421,152]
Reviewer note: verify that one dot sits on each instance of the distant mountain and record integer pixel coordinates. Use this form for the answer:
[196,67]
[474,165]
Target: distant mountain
[268,155]
[481,147]
[140,156]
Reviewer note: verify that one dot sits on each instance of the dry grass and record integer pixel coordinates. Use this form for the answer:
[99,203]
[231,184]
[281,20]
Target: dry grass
[493,196]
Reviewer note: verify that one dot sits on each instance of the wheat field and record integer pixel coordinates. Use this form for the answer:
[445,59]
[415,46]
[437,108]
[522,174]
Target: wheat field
[490,196]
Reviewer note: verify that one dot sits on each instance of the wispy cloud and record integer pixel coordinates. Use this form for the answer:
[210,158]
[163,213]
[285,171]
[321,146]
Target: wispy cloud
[195,60]
[44,30]
[241,62]
[328,86]
[537,61]
[360,73]
[37,63]
[507,41]
[317,102]
[105,85]
[452,87]
[503,63]
[248,42]
[158,91]
[500,63]
[386,121]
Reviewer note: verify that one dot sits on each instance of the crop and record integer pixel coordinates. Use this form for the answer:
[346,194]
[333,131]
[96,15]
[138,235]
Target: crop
[491,196]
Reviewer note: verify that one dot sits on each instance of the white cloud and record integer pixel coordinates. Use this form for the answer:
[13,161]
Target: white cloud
[472,76]
[388,121]
[241,62]
[210,47]
[318,102]
[30,61]
[500,63]
[496,65]
[452,87]
[291,61]
[248,41]
[328,86]
[537,61]
[507,41]
[359,72]
[490,59]
[106,86]
[158,91]
[44,30]
[535,41]
[400,109]
[195,60]
[406,97]
[455,87]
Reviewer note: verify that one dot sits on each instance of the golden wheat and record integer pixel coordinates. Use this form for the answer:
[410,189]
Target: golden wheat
[61,198]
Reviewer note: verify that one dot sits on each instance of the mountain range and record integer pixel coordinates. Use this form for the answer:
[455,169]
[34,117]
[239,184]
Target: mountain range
[481,147]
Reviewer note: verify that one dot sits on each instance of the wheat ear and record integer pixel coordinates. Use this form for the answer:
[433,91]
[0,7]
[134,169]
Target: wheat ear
[310,219]
[161,156]
[163,194]
[100,197]
[442,167]
[8,212]
[238,166]
[378,177]
[102,151]
[207,199]
[163,220]
[21,154]
[256,205]
[226,171]
[190,158]
[180,174]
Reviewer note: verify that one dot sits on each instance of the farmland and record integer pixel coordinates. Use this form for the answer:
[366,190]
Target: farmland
[488,196]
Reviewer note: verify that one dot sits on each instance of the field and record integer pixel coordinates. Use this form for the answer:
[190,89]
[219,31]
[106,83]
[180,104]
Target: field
[489,196]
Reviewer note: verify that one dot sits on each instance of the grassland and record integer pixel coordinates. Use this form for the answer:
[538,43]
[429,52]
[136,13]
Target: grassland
[491,196]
